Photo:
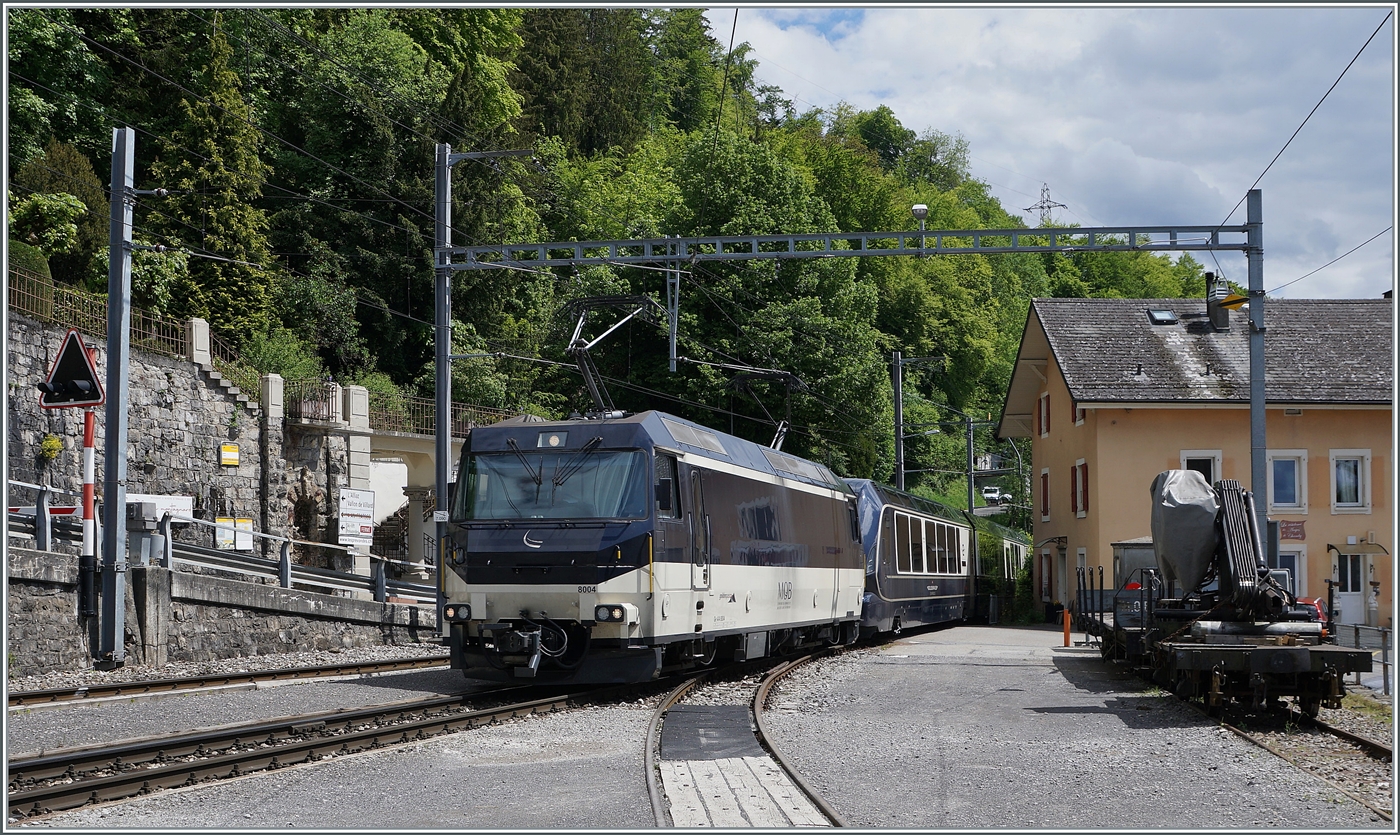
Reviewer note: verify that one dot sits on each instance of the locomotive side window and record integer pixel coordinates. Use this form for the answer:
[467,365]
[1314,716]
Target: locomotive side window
[887,546]
[668,500]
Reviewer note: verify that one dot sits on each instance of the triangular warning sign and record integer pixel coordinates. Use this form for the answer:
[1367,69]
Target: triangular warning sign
[73,378]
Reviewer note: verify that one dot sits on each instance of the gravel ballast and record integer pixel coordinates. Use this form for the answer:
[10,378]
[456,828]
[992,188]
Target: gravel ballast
[580,768]
[979,727]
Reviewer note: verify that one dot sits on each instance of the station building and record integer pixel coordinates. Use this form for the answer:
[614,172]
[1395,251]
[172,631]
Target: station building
[1112,392]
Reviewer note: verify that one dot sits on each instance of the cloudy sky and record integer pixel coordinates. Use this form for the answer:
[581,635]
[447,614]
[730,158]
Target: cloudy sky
[1132,115]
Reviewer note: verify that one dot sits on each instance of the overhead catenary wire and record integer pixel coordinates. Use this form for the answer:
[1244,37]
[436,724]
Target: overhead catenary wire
[1333,261]
[1309,116]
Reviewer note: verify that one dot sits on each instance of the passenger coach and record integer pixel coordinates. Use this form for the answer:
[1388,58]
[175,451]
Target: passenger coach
[610,550]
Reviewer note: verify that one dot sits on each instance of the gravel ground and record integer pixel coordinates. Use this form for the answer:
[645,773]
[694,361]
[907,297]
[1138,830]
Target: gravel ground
[575,769]
[980,727]
[738,692]
[183,669]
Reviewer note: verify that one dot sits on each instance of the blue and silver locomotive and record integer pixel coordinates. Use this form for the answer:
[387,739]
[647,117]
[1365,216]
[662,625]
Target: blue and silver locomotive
[611,550]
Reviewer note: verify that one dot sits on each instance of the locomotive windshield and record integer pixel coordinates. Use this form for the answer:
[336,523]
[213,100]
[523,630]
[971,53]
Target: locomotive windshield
[577,484]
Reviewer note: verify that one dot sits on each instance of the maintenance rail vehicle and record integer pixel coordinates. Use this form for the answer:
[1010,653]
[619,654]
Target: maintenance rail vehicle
[1211,621]
[615,548]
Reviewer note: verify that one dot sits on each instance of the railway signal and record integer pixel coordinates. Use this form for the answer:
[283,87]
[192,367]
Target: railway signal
[73,379]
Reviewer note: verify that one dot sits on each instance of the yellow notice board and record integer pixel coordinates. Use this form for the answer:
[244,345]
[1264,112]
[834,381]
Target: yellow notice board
[228,455]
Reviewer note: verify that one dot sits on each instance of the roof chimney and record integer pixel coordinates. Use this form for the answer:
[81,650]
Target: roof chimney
[1216,291]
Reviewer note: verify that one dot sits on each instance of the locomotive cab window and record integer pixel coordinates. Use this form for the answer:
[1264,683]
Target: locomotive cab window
[667,488]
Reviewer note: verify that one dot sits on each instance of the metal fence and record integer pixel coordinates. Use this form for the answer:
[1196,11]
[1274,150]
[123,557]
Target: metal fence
[41,299]
[1372,638]
[393,412]
[226,362]
[311,399]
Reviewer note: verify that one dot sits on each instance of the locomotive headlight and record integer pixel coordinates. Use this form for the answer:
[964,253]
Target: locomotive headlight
[610,614]
[457,612]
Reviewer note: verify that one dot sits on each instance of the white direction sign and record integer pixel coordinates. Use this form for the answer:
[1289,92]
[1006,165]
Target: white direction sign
[356,517]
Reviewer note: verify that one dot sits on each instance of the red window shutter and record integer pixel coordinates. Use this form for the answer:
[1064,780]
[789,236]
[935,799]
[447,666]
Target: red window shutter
[1074,489]
[1084,485]
[1040,416]
[1047,413]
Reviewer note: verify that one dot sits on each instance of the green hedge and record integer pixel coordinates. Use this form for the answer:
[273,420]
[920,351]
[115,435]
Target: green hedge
[29,258]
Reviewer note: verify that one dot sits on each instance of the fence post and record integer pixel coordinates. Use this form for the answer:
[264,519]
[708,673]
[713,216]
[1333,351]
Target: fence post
[381,581]
[284,564]
[1385,661]
[42,535]
[1356,633]
[167,545]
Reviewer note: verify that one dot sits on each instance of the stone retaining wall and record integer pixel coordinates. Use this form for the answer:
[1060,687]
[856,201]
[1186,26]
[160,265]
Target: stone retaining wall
[181,616]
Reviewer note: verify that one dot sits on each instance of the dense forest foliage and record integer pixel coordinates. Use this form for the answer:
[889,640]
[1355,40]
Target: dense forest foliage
[298,148]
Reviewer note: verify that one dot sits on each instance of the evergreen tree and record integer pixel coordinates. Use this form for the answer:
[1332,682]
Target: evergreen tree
[64,169]
[211,164]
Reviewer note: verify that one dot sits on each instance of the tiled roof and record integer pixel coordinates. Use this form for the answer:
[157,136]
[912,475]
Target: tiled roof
[1316,350]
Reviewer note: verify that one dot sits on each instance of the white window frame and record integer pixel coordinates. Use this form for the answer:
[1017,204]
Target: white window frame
[1045,494]
[1078,415]
[1217,468]
[1079,475]
[1301,456]
[1300,580]
[1043,414]
[1364,487]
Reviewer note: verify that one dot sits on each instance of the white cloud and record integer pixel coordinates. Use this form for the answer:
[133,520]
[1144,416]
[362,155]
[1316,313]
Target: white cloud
[1147,115]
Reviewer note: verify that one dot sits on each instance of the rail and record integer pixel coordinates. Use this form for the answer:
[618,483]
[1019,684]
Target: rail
[378,583]
[311,399]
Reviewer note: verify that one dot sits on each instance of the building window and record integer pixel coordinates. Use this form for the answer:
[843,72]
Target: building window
[1351,480]
[1042,414]
[1045,495]
[1078,415]
[1079,489]
[1288,481]
[1295,561]
[1204,461]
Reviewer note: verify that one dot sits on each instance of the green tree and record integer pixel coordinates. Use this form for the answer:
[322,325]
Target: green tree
[46,221]
[214,194]
[690,67]
[64,169]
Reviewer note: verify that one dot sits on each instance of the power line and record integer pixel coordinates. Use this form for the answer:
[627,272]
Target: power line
[1306,118]
[1334,260]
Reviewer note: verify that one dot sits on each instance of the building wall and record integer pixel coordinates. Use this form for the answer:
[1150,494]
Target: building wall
[1127,447]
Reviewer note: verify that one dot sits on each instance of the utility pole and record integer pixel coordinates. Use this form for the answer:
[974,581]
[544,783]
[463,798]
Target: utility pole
[1254,221]
[111,651]
[898,421]
[442,330]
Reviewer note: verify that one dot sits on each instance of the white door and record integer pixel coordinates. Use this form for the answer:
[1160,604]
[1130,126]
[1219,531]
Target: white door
[1349,569]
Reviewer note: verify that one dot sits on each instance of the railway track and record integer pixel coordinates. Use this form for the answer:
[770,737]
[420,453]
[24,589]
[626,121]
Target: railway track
[1353,765]
[756,708]
[70,778]
[146,687]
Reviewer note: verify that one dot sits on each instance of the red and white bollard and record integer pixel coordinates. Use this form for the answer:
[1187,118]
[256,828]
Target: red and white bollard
[87,563]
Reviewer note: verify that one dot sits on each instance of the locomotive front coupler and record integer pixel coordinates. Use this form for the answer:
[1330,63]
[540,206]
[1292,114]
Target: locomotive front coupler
[518,648]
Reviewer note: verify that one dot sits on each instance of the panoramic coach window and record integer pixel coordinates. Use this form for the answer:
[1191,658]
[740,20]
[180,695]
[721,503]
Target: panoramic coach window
[927,546]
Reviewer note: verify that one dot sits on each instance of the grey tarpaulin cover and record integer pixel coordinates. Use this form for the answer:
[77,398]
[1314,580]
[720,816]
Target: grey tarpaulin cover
[1183,525]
